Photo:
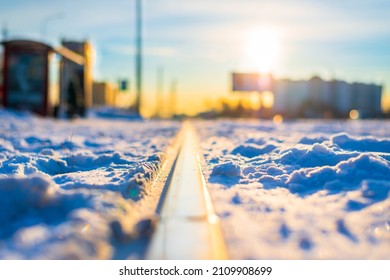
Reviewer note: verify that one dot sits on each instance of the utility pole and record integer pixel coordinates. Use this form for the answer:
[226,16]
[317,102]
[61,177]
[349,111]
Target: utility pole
[173,97]
[159,92]
[138,57]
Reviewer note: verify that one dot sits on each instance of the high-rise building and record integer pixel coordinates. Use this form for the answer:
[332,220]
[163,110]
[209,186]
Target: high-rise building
[290,97]
[367,99]
[319,98]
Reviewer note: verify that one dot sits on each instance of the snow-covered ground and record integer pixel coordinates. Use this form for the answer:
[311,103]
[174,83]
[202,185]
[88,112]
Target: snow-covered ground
[74,189]
[300,190]
[296,190]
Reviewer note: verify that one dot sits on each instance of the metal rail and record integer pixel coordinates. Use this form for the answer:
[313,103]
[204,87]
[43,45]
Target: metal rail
[188,227]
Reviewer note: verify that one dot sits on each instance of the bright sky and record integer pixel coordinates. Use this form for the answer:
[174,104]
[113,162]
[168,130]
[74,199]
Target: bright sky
[200,42]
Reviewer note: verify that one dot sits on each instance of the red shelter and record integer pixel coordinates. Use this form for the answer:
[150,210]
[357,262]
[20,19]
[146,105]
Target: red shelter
[26,75]
[26,72]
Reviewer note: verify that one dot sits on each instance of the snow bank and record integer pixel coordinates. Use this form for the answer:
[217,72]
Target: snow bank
[363,144]
[74,189]
[40,221]
[252,150]
[300,190]
[113,113]
[346,175]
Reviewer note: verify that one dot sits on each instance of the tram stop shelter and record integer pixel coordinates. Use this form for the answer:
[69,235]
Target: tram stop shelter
[26,72]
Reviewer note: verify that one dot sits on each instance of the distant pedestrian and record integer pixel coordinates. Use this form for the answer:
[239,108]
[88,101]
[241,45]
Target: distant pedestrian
[74,91]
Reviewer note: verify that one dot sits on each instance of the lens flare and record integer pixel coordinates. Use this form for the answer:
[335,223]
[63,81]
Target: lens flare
[354,114]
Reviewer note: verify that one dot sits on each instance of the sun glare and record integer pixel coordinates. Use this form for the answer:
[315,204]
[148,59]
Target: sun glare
[268,99]
[261,49]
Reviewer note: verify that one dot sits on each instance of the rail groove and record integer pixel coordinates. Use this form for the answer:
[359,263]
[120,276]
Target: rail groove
[188,227]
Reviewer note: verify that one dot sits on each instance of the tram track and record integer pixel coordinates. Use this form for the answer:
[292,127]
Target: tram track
[187,226]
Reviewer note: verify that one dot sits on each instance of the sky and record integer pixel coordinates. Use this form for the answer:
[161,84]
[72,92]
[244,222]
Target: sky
[199,43]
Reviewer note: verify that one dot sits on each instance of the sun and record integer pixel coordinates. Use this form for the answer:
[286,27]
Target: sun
[262,49]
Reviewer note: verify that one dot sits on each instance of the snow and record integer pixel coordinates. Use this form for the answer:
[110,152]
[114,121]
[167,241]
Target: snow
[302,189]
[81,189]
[76,189]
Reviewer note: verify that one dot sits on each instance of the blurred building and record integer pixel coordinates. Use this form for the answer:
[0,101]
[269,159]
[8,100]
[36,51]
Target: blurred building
[317,98]
[104,93]
[367,99]
[76,80]
[290,97]
[343,98]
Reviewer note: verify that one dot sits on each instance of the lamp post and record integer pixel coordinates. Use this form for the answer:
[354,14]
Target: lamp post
[45,22]
[5,32]
[138,57]
[173,97]
[159,92]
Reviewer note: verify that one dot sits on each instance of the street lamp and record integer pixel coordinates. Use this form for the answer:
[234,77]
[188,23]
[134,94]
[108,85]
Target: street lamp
[138,57]
[5,32]
[46,20]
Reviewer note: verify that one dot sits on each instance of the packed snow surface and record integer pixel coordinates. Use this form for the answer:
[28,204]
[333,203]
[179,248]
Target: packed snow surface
[296,190]
[73,189]
[300,190]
